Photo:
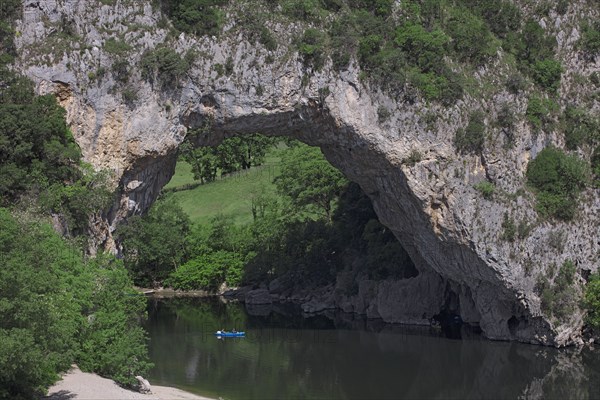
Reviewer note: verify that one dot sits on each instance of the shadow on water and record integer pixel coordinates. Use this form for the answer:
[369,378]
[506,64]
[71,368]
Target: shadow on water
[340,356]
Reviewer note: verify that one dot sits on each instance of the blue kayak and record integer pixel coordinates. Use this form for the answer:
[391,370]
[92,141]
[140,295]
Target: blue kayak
[230,334]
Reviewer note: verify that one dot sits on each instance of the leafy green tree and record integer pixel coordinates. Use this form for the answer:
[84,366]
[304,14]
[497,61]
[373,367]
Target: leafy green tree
[155,244]
[52,304]
[208,271]
[471,38]
[558,179]
[36,147]
[112,342]
[307,179]
[199,17]
[422,48]
[547,73]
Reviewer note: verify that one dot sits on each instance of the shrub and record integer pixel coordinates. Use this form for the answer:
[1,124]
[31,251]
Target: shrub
[486,189]
[592,301]
[199,17]
[116,47]
[383,114]
[503,17]
[596,164]
[471,38]
[423,49]
[472,138]
[539,111]
[559,299]
[516,83]
[311,47]
[163,64]
[208,271]
[509,228]
[414,157]
[590,39]
[579,127]
[557,179]
[546,73]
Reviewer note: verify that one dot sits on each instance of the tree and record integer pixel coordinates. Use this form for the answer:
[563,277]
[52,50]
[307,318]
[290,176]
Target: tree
[307,179]
[558,179]
[155,244]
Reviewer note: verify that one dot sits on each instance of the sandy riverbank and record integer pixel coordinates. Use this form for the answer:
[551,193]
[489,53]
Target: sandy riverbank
[76,384]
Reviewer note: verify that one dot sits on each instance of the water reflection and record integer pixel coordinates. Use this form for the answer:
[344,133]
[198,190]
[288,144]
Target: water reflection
[337,356]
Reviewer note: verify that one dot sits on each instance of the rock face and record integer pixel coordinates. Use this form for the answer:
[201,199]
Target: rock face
[450,231]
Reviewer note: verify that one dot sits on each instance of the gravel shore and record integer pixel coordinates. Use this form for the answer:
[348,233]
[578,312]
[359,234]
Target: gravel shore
[76,384]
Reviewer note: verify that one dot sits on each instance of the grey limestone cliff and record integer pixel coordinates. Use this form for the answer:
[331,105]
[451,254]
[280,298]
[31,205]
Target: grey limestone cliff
[450,230]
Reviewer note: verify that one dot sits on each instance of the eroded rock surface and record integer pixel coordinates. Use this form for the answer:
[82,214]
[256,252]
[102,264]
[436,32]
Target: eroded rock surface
[450,231]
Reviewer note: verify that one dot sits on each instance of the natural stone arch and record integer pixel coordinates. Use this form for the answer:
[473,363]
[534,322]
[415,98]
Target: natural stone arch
[444,267]
[449,230]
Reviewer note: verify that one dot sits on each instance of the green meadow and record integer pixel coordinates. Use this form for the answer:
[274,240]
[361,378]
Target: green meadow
[230,195]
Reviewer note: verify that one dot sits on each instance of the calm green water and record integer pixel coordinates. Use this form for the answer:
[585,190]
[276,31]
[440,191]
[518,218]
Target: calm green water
[286,356]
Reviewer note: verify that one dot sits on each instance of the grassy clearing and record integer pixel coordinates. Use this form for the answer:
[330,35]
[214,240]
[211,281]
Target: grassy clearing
[230,195]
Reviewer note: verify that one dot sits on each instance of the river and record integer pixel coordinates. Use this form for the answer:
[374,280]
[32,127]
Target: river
[288,356]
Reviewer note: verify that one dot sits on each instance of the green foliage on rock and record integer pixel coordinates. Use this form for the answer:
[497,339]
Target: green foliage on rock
[163,65]
[579,127]
[592,301]
[558,179]
[472,138]
[546,73]
[590,39]
[539,111]
[596,165]
[560,298]
[486,189]
[199,17]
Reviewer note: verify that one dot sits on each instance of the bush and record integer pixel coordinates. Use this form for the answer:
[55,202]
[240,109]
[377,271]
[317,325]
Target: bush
[579,127]
[472,138]
[199,17]
[546,73]
[311,47]
[559,299]
[557,179]
[596,164]
[590,39]
[116,47]
[208,271]
[155,244]
[592,301]
[539,111]
[163,64]
[471,38]
[509,229]
[486,189]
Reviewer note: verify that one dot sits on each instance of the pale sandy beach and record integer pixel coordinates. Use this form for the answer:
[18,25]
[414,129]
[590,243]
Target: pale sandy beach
[85,386]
